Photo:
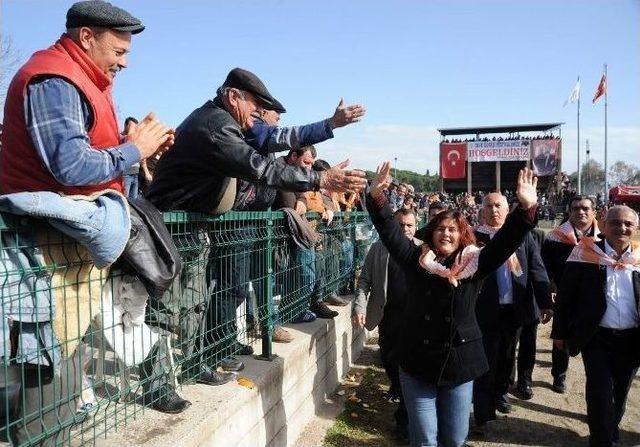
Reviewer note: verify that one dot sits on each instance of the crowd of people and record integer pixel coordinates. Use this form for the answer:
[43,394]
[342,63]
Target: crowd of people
[452,300]
[501,138]
[63,150]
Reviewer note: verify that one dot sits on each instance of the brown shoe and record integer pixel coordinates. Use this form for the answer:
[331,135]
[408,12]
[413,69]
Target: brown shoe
[281,335]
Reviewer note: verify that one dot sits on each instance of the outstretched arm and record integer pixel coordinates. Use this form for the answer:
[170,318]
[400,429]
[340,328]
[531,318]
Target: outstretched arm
[403,251]
[267,139]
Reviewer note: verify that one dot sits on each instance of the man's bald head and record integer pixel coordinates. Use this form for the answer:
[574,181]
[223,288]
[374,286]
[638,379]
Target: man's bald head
[494,209]
[619,227]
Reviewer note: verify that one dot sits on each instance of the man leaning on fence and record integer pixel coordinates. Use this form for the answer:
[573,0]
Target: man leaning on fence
[205,173]
[61,136]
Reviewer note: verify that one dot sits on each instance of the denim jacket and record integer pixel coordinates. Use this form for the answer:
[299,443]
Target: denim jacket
[99,222]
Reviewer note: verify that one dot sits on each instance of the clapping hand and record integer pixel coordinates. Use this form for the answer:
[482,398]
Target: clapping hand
[339,179]
[151,136]
[382,180]
[526,192]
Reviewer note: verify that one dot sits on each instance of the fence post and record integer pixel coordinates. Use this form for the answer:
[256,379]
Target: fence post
[266,325]
[353,222]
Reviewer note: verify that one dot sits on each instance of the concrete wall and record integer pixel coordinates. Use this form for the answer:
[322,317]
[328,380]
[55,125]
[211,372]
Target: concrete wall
[288,391]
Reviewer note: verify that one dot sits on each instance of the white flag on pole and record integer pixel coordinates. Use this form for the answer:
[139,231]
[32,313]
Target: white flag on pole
[575,94]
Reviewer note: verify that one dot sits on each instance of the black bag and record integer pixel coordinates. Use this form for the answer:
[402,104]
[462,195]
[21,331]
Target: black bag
[150,252]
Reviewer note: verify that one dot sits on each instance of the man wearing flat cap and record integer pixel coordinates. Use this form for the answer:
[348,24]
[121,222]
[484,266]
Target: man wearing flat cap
[45,146]
[61,134]
[216,161]
[211,153]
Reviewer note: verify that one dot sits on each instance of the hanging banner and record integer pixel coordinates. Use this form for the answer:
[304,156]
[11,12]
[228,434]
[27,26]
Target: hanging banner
[507,150]
[544,156]
[452,160]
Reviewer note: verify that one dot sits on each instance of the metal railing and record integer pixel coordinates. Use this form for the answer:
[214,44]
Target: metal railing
[81,356]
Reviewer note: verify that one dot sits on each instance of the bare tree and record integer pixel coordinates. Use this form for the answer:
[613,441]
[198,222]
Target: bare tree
[9,60]
[624,173]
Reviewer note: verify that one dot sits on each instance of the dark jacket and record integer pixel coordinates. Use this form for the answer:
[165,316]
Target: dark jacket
[533,281]
[582,302]
[256,196]
[554,255]
[440,341]
[209,151]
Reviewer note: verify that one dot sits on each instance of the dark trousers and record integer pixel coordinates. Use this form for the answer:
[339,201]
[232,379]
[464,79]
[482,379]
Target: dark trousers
[527,353]
[500,349]
[610,363]
[387,339]
[559,363]
[231,267]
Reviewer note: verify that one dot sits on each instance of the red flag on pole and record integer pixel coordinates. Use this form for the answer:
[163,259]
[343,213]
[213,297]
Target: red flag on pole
[453,158]
[602,88]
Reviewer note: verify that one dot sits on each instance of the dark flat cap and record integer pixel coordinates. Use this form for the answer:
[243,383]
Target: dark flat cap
[104,15]
[245,80]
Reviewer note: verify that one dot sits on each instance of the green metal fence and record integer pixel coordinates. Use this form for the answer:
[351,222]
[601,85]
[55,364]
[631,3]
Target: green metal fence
[80,357]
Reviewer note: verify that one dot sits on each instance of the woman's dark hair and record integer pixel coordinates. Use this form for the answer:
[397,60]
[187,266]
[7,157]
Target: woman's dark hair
[467,237]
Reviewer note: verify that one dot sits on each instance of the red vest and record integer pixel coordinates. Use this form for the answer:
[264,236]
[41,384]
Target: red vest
[21,168]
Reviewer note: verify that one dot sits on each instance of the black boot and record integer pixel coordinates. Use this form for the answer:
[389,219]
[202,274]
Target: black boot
[166,400]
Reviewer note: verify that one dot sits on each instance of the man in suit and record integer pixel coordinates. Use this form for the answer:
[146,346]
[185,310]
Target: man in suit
[505,304]
[597,315]
[379,302]
[527,342]
[556,248]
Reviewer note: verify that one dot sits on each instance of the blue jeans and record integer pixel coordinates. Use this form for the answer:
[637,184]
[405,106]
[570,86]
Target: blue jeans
[438,415]
[306,259]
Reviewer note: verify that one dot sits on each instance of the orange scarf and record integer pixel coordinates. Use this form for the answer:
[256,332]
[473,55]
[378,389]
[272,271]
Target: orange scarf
[465,265]
[566,234]
[587,251]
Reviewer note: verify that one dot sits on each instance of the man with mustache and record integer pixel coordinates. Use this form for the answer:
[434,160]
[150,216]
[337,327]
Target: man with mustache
[556,248]
[60,129]
[61,135]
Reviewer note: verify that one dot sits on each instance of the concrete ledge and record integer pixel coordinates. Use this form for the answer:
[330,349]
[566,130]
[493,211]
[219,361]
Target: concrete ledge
[287,393]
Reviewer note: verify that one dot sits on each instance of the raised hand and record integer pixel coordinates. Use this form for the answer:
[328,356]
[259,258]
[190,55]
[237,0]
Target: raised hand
[345,115]
[339,179]
[526,191]
[382,180]
[150,135]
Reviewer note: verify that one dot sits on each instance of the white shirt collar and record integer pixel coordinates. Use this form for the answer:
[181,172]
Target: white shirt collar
[610,251]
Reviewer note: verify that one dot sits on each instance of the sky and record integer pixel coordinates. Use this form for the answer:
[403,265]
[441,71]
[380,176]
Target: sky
[416,65]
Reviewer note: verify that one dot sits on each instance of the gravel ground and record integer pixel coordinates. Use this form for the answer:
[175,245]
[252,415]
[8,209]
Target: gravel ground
[549,419]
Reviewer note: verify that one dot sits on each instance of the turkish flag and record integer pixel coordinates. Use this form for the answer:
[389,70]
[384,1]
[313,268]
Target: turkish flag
[453,158]
[602,88]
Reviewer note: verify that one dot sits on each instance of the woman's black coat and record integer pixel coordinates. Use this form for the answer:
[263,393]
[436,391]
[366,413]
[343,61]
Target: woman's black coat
[440,342]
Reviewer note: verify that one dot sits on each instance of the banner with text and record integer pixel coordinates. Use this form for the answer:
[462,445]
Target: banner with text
[508,150]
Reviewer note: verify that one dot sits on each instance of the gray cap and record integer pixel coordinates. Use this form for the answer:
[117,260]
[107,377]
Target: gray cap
[102,14]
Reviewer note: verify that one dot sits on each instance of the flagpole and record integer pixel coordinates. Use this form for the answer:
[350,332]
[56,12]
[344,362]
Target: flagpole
[579,173]
[606,166]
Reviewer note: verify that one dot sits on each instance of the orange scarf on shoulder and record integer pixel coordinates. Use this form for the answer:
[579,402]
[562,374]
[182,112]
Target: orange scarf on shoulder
[589,252]
[566,234]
